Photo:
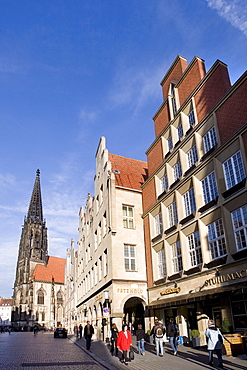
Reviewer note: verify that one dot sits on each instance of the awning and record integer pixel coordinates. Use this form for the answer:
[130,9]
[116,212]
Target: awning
[179,300]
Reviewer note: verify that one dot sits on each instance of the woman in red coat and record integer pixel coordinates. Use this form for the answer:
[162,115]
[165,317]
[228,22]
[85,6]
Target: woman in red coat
[124,342]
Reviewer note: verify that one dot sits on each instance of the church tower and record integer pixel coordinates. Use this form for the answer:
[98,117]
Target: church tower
[32,251]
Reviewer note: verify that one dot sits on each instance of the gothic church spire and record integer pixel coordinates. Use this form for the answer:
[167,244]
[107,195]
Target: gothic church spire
[35,210]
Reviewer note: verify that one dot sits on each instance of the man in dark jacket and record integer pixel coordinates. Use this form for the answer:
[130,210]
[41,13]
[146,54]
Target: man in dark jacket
[88,332]
[172,333]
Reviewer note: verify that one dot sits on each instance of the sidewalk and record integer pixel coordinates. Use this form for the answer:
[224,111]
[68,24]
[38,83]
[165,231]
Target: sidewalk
[188,358]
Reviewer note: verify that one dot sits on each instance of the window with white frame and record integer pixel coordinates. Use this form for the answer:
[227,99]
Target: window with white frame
[195,249]
[209,140]
[192,156]
[177,263]
[209,188]
[216,239]
[161,263]
[173,99]
[191,118]
[239,220]
[170,143]
[164,183]
[233,170]
[129,257]
[177,171]
[128,217]
[172,214]
[158,224]
[180,131]
[189,202]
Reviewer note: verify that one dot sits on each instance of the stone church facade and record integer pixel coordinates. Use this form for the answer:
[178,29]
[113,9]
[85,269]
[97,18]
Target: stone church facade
[39,284]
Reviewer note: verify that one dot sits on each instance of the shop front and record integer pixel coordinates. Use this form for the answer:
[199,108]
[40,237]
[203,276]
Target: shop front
[221,296]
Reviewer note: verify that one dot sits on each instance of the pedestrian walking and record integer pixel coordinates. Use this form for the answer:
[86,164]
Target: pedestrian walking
[140,340]
[88,333]
[158,331]
[114,336]
[172,333]
[80,330]
[124,342]
[214,341]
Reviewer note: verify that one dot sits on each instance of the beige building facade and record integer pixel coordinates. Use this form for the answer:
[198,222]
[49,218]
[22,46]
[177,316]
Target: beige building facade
[111,282]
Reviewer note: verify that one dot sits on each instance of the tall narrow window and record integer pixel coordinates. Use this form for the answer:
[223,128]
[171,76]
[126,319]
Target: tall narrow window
[216,239]
[105,262]
[158,224]
[129,257]
[128,217]
[172,214]
[192,156]
[180,131]
[164,183]
[41,296]
[170,143]
[209,188]
[191,118]
[209,140]
[173,99]
[161,264]
[239,220]
[177,264]
[233,170]
[189,202]
[177,171]
[195,249]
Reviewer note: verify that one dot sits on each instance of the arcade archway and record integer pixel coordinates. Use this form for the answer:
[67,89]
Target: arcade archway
[134,313]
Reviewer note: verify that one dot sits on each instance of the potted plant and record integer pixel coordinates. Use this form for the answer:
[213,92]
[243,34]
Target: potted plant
[195,338]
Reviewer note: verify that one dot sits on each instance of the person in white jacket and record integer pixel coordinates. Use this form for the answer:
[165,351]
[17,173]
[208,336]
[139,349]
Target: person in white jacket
[214,340]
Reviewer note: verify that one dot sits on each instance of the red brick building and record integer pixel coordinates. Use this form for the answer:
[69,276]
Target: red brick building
[195,199]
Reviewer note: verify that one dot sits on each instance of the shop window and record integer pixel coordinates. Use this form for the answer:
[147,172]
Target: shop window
[195,249]
[239,220]
[216,239]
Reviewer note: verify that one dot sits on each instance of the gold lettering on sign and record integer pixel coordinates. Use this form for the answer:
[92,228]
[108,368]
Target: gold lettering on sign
[133,291]
[228,277]
[170,291]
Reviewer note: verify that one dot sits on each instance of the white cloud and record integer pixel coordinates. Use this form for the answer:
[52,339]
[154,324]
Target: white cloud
[234,11]
[7,180]
[133,86]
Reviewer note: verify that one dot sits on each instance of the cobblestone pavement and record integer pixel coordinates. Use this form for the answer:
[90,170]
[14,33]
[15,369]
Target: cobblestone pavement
[43,352]
[188,358]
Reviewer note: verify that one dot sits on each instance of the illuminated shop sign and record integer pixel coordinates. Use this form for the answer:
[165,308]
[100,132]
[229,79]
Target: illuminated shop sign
[170,291]
[227,277]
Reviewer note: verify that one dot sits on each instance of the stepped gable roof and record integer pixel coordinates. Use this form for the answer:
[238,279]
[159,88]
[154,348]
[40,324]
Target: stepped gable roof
[55,269]
[129,173]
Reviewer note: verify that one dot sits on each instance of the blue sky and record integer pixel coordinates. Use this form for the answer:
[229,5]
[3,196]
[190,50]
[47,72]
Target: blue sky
[72,71]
